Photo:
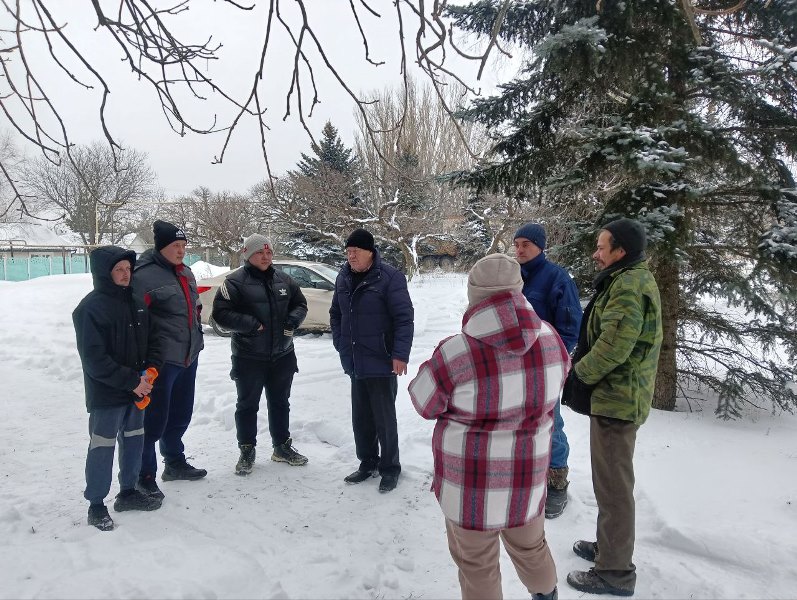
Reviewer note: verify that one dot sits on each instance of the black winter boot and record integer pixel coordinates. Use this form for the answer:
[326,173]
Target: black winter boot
[286,453]
[148,485]
[99,517]
[556,500]
[181,470]
[586,550]
[135,500]
[554,595]
[247,460]
[590,582]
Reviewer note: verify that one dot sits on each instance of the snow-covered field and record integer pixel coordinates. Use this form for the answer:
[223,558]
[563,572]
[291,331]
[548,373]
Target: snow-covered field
[716,501]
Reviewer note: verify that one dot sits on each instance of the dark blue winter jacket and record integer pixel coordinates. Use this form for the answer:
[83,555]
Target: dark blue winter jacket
[114,335]
[373,323]
[554,296]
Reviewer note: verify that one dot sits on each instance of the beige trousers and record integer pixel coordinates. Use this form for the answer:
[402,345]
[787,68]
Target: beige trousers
[476,554]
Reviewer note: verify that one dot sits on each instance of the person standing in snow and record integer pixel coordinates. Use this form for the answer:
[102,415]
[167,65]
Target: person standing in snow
[493,390]
[114,344]
[168,288]
[372,321]
[262,307]
[612,381]
[554,296]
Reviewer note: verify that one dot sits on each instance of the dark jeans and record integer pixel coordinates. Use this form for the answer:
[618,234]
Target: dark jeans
[107,427]
[612,443]
[373,418]
[168,415]
[251,377]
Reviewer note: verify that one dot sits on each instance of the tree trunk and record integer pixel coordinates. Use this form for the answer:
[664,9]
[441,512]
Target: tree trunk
[410,261]
[667,277]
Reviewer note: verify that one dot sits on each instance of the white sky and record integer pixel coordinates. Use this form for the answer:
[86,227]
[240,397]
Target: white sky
[715,500]
[134,114]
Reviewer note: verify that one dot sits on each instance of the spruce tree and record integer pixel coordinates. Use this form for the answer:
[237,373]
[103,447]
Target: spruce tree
[330,153]
[682,114]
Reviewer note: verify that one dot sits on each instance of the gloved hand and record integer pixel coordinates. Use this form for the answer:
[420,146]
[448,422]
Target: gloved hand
[287,332]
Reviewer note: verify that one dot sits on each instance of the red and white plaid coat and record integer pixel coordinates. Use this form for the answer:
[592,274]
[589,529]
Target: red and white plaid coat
[493,389]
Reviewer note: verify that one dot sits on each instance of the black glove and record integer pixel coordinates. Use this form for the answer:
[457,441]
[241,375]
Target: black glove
[577,394]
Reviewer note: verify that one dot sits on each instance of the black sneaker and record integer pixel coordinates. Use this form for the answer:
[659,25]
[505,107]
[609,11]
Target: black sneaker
[182,471]
[388,483]
[99,517]
[287,454]
[586,550]
[590,582]
[148,485]
[359,476]
[555,502]
[135,500]
[247,460]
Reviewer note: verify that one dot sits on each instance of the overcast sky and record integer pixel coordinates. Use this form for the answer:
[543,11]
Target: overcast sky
[182,164]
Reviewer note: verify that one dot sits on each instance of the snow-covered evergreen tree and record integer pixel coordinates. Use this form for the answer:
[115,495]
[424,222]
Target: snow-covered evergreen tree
[682,114]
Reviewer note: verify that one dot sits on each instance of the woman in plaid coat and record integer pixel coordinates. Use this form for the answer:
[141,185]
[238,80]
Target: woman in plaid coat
[492,390]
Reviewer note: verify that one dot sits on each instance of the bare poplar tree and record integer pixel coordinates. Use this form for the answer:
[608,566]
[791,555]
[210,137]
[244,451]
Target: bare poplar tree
[88,191]
[180,71]
[217,220]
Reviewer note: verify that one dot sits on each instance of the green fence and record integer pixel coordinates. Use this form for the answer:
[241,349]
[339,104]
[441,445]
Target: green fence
[22,269]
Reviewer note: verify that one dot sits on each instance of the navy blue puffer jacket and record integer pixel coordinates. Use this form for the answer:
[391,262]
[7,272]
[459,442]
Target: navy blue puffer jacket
[373,323]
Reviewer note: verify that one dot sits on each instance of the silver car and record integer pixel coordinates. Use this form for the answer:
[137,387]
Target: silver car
[317,281]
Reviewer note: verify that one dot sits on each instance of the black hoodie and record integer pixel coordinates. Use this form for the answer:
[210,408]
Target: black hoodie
[112,330]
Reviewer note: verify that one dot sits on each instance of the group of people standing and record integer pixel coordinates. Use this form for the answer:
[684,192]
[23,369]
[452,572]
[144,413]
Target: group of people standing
[499,446]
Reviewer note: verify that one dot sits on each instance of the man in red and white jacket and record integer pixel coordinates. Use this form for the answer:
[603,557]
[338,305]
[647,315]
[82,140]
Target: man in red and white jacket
[493,389]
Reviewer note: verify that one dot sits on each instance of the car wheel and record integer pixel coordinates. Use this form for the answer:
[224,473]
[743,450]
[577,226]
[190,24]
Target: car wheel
[218,329]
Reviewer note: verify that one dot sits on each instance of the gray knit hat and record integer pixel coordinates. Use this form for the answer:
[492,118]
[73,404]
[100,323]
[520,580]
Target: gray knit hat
[491,275]
[254,243]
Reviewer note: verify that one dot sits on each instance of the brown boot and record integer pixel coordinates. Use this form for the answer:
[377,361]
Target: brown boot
[556,501]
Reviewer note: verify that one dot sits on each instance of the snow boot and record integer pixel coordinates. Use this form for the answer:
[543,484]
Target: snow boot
[590,582]
[359,476]
[182,471]
[586,550]
[135,500]
[287,454]
[99,517]
[148,485]
[554,595]
[247,460]
[556,501]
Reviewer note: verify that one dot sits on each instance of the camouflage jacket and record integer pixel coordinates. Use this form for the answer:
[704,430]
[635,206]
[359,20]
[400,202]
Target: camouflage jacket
[624,339]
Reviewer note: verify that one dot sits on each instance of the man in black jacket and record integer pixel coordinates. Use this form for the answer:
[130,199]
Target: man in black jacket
[262,307]
[168,288]
[113,342]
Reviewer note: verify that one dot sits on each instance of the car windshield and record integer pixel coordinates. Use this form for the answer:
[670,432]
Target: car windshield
[326,271]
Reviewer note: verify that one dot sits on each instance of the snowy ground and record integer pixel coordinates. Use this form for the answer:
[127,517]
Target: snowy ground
[716,501]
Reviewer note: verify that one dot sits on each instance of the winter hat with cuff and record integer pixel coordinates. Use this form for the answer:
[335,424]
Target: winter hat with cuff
[360,238]
[254,243]
[630,234]
[166,233]
[491,275]
[534,233]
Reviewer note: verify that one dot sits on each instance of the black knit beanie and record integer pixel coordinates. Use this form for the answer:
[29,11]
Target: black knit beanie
[630,234]
[166,233]
[360,238]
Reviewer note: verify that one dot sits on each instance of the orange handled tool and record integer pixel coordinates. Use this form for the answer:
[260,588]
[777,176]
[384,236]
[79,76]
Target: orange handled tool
[151,374]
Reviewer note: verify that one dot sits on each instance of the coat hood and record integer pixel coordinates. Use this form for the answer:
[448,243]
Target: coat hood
[505,321]
[103,261]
